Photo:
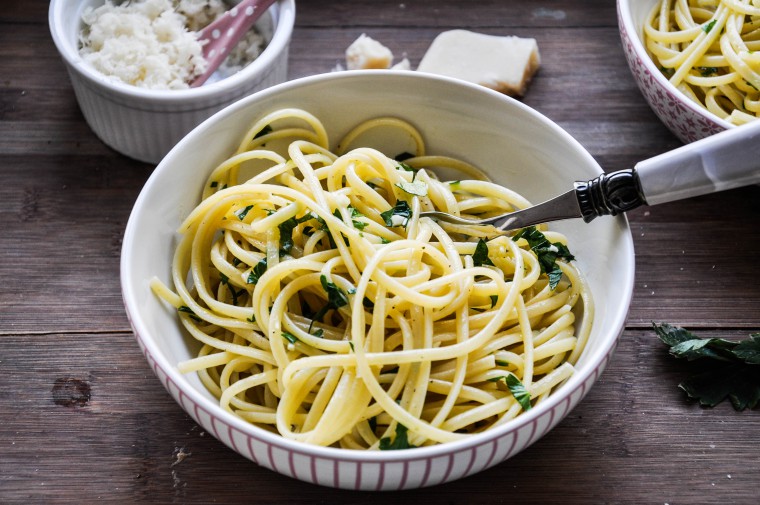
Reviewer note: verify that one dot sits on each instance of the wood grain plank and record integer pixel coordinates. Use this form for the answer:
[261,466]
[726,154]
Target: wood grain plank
[633,439]
[83,419]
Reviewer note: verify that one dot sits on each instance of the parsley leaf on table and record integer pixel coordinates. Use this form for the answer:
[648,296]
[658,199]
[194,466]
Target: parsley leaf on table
[728,369]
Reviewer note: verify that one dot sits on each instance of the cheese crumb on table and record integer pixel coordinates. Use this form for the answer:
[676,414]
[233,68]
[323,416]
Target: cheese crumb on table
[505,64]
[365,52]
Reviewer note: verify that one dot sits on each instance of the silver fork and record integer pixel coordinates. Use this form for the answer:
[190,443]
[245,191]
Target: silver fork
[564,206]
[726,160]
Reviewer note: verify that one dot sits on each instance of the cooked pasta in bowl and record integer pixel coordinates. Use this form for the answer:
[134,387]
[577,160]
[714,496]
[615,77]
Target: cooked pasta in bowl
[286,290]
[693,61]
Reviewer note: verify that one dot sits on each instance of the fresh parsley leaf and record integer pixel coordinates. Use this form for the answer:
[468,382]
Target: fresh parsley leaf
[384,240]
[289,337]
[709,26]
[243,212]
[547,252]
[359,225]
[401,441]
[502,363]
[723,368]
[336,298]
[518,390]
[187,310]
[480,256]
[494,299]
[401,210]
[257,271]
[707,71]
[286,231]
[406,167]
[319,333]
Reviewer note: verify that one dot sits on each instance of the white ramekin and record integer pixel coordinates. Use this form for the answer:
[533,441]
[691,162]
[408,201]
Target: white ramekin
[145,124]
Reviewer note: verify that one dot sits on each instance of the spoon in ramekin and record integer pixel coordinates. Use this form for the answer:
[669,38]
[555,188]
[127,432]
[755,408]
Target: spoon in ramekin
[221,36]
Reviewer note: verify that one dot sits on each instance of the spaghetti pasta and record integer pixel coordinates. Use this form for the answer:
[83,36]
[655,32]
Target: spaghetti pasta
[327,310]
[707,50]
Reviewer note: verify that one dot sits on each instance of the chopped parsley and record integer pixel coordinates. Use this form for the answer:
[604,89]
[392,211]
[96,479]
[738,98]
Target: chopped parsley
[400,441]
[494,299]
[243,212]
[289,337]
[707,71]
[480,256]
[187,310]
[517,388]
[286,231]
[547,252]
[336,298]
[359,225]
[721,368]
[406,167]
[257,271]
[402,212]
[709,26]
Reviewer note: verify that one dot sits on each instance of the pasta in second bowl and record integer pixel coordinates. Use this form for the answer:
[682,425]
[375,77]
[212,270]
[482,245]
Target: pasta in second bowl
[368,280]
[687,65]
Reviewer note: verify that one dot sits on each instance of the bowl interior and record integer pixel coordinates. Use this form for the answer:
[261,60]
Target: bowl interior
[515,145]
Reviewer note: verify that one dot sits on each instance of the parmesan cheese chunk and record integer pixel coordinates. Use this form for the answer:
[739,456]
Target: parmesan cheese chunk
[365,52]
[505,64]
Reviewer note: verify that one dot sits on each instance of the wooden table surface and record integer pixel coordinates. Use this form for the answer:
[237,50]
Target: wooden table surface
[83,419]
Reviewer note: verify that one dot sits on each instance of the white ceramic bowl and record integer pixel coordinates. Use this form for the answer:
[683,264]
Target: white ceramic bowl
[145,124]
[516,145]
[685,118]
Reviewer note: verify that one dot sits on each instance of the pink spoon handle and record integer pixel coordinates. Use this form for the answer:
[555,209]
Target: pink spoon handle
[222,35]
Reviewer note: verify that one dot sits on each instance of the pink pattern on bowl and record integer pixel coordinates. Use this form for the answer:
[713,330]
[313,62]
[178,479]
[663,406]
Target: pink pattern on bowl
[347,470]
[686,119]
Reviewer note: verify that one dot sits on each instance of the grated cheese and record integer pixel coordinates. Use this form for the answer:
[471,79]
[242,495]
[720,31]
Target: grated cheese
[153,43]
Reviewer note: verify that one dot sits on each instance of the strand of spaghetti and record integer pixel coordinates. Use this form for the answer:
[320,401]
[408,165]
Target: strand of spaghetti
[267,120]
[243,384]
[380,396]
[392,122]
